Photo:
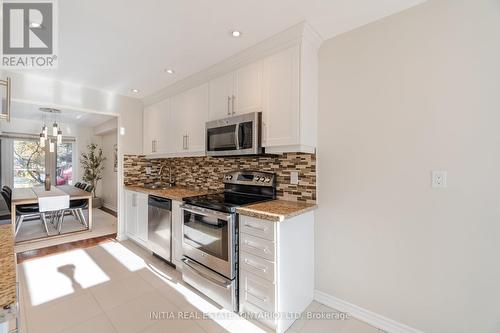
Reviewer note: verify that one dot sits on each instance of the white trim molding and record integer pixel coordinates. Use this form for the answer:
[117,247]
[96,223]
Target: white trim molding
[369,317]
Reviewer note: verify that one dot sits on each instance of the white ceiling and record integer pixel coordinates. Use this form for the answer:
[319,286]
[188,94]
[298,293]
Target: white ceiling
[67,116]
[117,45]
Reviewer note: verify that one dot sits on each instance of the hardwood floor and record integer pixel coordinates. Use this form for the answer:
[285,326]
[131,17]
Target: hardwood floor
[81,244]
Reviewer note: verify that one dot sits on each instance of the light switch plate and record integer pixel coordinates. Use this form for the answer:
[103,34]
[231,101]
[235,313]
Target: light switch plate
[294,177]
[439,179]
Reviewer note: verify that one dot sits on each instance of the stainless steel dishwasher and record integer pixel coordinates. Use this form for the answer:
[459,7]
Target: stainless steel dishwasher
[160,227]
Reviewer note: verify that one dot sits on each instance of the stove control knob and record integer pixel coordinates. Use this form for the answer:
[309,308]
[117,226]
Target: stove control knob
[268,180]
[262,179]
[256,178]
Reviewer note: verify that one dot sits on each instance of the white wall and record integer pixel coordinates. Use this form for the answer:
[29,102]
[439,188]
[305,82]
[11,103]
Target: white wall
[398,98]
[110,177]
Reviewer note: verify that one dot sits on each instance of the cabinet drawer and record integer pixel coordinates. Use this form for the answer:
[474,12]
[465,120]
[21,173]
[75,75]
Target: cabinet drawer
[256,227]
[257,292]
[257,246]
[258,266]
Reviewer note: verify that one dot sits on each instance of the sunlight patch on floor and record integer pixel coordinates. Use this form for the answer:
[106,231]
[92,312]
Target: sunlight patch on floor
[56,276]
[124,256]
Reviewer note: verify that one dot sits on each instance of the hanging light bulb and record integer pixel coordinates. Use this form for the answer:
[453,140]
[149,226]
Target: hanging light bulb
[51,146]
[54,129]
[45,131]
[42,140]
[59,137]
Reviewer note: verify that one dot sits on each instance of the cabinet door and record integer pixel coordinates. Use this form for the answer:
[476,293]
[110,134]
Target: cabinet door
[196,108]
[156,122]
[142,217]
[221,90]
[281,98]
[130,213]
[248,89]
[148,135]
[179,121]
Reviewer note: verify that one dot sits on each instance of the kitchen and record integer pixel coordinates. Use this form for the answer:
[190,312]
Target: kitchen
[280,166]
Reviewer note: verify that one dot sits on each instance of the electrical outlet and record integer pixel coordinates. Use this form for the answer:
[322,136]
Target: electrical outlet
[148,170]
[439,179]
[294,177]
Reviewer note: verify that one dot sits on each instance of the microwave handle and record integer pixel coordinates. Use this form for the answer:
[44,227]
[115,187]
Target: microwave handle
[237,136]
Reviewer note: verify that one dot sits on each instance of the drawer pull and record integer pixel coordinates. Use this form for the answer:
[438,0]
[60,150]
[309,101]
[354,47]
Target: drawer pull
[265,249]
[259,298]
[254,227]
[263,269]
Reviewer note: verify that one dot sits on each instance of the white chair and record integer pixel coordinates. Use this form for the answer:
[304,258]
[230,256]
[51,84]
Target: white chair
[56,205]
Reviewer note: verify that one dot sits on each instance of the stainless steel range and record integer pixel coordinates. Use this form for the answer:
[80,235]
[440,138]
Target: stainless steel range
[210,234]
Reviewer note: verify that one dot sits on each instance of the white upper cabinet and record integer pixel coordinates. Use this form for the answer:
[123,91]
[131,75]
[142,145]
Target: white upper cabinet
[248,89]
[189,111]
[280,123]
[156,128]
[290,100]
[237,92]
[220,96]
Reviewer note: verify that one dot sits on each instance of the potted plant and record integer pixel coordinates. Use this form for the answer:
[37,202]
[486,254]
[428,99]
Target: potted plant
[93,166]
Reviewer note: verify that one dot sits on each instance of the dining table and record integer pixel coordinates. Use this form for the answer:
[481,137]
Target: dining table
[31,195]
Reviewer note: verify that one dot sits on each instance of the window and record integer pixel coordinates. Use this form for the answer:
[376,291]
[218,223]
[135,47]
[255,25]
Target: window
[64,163]
[32,162]
[29,163]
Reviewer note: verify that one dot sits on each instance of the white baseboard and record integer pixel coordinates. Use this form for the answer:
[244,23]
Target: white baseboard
[369,317]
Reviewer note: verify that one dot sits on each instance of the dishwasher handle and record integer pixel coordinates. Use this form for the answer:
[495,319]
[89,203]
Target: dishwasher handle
[160,202]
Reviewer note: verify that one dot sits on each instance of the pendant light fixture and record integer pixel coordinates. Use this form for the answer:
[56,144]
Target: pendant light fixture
[55,129]
[51,146]
[56,137]
[42,140]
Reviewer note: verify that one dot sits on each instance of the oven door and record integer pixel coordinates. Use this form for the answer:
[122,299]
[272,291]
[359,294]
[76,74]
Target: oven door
[209,237]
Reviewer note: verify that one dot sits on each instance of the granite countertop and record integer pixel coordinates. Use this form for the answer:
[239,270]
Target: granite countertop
[276,210]
[174,193]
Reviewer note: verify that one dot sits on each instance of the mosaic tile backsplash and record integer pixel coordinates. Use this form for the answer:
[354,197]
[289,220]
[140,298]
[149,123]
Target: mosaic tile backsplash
[205,173]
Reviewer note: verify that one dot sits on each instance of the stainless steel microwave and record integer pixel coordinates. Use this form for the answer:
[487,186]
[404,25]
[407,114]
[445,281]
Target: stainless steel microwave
[237,135]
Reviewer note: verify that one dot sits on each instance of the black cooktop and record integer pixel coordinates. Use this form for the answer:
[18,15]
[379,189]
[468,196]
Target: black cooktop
[224,202]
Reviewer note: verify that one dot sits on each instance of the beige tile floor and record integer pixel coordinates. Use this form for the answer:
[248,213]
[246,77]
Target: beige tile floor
[114,287]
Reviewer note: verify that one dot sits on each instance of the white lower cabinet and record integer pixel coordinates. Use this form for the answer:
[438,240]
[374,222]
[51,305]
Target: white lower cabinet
[136,216]
[276,269]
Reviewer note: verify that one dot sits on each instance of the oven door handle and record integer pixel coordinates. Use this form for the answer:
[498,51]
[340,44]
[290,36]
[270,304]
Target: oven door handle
[187,262]
[206,212]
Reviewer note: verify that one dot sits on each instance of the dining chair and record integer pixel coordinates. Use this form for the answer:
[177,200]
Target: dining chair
[23,211]
[77,184]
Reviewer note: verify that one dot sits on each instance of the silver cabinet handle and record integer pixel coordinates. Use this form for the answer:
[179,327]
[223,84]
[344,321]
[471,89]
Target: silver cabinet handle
[187,141]
[253,295]
[254,227]
[193,268]
[249,263]
[8,86]
[184,142]
[233,102]
[264,249]
[228,105]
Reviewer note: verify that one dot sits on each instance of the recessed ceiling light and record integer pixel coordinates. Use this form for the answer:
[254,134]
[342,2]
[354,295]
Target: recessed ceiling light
[169,71]
[236,33]
[135,91]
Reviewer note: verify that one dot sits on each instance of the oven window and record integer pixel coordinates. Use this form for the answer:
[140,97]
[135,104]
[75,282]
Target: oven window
[221,138]
[207,234]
